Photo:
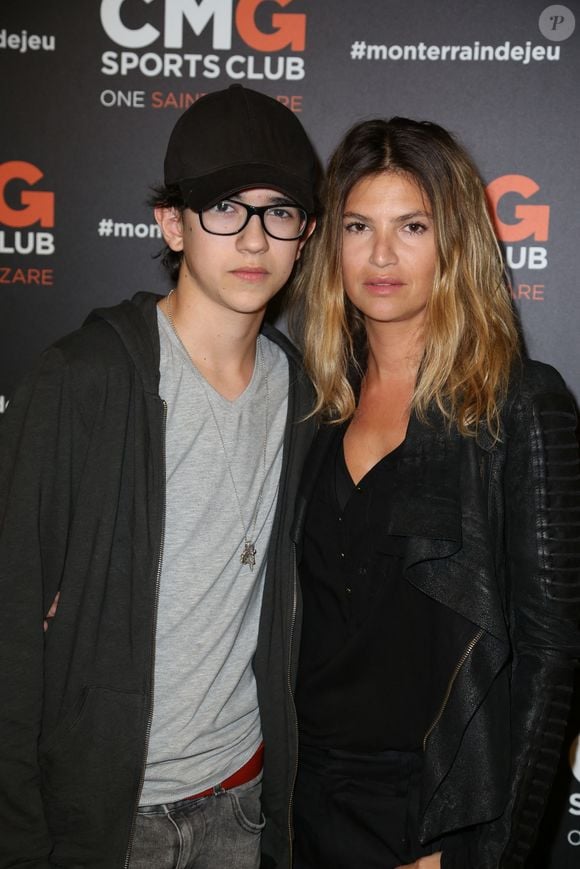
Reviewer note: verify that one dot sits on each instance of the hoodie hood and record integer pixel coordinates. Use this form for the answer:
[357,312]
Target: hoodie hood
[135,322]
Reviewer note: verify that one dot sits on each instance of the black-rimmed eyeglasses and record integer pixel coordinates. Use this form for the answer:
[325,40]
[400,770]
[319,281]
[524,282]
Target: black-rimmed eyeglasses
[283,222]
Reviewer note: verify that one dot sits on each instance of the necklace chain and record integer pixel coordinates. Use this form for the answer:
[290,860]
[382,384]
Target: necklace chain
[249,552]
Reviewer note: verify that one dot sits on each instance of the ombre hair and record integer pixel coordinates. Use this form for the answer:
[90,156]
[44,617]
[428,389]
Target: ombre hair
[471,339]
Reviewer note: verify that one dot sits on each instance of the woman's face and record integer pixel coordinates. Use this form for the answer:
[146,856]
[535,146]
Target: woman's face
[388,249]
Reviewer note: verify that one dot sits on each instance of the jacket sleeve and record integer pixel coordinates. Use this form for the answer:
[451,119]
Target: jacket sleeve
[541,495]
[38,434]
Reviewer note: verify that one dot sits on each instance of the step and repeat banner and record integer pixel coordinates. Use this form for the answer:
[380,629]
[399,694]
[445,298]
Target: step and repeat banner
[92,88]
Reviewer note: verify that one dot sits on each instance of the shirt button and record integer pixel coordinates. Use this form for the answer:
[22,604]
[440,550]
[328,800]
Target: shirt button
[348,589]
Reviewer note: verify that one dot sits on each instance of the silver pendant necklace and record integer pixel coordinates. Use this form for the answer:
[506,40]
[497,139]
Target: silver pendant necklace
[249,552]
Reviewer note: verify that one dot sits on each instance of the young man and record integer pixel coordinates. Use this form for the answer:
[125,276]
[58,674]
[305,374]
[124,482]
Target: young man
[149,467]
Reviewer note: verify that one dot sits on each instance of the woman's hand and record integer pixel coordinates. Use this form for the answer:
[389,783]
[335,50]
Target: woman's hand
[431,862]
[52,611]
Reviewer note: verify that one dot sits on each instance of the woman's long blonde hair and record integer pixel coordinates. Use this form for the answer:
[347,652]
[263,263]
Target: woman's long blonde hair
[471,338]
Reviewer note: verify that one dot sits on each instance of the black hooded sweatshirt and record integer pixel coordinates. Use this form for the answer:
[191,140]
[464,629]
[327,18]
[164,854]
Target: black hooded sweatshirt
[82,489]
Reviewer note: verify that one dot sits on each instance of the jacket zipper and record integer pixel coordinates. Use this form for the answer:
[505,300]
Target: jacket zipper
[467,652]
[153,631]
[292,706]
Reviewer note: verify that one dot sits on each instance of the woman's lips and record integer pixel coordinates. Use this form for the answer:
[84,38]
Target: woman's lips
[383,286]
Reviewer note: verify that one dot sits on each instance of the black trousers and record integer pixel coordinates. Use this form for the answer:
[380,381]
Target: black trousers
[357,811]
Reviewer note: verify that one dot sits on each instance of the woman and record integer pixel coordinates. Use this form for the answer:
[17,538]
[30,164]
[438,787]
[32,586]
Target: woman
[439,562]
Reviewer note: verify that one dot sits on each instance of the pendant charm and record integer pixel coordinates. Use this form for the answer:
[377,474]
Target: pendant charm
[248,555]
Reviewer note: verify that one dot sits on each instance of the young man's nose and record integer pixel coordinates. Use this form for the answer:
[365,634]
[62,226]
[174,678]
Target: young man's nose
[253,236]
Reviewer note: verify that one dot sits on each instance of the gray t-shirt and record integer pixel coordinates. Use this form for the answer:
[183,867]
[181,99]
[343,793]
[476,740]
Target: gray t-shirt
[206,721]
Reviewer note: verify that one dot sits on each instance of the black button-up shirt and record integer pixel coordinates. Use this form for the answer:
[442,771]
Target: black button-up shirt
[374,659]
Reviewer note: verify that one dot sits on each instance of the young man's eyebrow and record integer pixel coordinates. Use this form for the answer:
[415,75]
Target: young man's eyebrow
[274,199]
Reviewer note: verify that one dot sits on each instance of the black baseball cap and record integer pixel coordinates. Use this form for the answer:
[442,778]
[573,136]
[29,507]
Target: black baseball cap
[237,138]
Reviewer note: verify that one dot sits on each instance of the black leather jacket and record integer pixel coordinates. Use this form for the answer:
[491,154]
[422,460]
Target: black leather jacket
[492,533]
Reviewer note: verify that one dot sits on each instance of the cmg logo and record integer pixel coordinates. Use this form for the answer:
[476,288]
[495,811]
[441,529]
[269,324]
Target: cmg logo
[285,30]
[35,206]
[531,221]
[24,208]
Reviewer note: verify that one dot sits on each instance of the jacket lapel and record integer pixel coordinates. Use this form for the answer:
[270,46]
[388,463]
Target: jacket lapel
[440,506]
[426,505]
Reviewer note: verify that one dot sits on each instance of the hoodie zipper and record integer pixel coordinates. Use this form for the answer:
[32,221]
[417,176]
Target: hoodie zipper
[292,706]
[153,632]
[467,652]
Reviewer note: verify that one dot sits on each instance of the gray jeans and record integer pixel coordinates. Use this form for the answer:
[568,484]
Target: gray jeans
[215,831]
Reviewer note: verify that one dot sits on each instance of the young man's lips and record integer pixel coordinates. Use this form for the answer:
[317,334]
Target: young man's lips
[250,274]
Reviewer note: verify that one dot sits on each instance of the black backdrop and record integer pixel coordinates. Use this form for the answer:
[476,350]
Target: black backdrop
[91,88]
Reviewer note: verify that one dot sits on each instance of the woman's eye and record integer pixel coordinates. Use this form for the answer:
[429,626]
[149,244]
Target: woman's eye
[416,228]
[355,227]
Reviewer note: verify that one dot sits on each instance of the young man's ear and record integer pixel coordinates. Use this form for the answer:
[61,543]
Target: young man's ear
[170,222]
[310,227]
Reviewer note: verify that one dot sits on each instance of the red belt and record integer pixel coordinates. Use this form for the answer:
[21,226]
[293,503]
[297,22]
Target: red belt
[244,774]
